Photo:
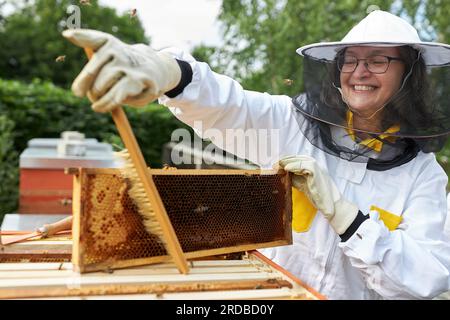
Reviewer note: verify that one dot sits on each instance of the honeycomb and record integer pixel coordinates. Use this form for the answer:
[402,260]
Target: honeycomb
[113,228]
[207,211]
[23,258]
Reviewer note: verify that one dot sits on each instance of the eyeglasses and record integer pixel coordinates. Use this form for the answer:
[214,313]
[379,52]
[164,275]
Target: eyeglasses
[375,64]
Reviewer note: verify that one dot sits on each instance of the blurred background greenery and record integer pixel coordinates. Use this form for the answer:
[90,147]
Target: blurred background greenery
[259,42]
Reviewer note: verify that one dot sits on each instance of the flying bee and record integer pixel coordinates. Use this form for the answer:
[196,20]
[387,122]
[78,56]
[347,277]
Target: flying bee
[288,82]
[60,58]
[133,13]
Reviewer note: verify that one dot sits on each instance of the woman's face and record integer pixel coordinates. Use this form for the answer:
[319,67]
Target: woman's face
[366,92]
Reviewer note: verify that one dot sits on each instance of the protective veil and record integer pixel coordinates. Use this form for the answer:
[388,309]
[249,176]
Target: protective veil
[416,117]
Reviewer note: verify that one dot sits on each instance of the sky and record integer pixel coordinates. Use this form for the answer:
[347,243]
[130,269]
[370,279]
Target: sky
[180,23]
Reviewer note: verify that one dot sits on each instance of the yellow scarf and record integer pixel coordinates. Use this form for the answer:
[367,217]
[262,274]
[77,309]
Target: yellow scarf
[372,143]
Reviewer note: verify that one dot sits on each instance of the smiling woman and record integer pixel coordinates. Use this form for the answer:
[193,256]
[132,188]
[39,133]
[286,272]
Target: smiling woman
[379,91]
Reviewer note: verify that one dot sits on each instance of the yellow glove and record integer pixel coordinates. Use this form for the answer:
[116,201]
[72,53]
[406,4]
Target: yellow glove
[320,189]
[119,73]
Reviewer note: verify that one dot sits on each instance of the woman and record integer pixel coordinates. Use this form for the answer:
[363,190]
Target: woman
[370,202]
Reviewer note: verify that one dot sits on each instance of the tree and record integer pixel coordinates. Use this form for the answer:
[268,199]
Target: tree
[9,158]
[31,38]
[430,17]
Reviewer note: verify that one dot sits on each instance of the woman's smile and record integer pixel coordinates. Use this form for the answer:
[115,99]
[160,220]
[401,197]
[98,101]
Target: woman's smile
[366,92]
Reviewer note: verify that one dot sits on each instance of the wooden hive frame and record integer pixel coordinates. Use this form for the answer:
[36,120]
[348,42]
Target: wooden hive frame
[273,186]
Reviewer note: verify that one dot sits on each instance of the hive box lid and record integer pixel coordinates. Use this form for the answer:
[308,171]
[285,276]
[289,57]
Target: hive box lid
[42,153]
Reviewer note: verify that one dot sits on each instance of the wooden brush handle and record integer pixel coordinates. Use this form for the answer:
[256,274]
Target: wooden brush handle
[129,140]
[61,225]
[126,133]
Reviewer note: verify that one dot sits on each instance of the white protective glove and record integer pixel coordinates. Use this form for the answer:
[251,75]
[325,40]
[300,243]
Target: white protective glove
[320,189]
[119,73]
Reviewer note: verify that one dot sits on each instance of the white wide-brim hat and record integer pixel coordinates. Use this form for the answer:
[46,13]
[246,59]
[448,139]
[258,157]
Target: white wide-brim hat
[383,29]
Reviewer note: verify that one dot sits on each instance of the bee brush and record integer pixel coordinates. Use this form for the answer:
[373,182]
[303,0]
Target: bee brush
[145,194]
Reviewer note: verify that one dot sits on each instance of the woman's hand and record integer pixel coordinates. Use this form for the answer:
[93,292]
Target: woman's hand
[322,192]
[119,73]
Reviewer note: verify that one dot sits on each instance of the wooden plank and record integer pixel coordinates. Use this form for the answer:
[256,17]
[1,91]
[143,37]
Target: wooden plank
[108,265]
[42,274]
[229,264]
[42,243]
[75,289]
[46,192]
[200,264]
[29,274]
[38,246]
[13,232]
[77,201]
[50,250]
[266,294]
[245,247]
[39,242]
[220,263]
[203,172]
[108,279]
[258,294]
[35,266]
[35,256]
[200,172]
[287,211]
[82,267]
[8,240]
[285,273]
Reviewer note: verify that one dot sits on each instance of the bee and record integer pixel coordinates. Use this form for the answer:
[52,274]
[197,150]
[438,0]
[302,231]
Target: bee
[133,13]
[288,82]
[60,58]
[85,2]
[167,167]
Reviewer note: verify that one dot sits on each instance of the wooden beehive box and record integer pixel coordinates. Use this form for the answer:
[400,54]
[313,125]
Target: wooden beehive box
[57,248]
[213,212]
[253,277]
[43,187]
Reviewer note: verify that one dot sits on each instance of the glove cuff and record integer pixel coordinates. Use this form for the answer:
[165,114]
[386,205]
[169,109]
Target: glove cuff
[186,78]
[345,214]
[172,72]
[360,218]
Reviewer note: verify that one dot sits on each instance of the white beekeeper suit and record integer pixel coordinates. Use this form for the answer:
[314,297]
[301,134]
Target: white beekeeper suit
[410,262]
[393,220]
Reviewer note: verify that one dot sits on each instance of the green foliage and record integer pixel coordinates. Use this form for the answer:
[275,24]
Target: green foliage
[430,18]
[42,110]
[8,167]
[443,158]
[31,39]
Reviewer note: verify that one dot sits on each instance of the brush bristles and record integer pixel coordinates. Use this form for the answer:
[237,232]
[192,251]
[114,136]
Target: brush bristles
[139,196]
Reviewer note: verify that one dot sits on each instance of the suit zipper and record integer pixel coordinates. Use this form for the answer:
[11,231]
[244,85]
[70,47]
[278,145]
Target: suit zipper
[329,261]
